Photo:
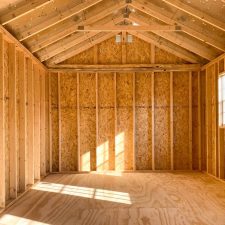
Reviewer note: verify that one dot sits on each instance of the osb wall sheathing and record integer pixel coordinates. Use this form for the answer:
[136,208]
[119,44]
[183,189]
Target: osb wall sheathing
[87,102]
[162,121]
[55,122]
[106,122]
[138,51]
[124,127]
[143,122]
[195,122]
[181,120]
[68,106]
[6,118]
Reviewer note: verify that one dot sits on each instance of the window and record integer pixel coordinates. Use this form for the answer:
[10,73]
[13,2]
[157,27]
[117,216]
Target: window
[221,98]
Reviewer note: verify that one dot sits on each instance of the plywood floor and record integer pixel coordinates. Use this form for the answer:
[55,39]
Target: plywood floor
[121,199]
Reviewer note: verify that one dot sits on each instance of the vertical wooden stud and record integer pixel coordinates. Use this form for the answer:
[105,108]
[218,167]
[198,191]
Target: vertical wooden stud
[199,124]
[30,118]
[134,120]
[124,50]
[221,154]
[115,105]
[97,117]
[206,121]
[216,71]
[153,107]
[22,123]
[153,122]
[42,135]
[190,120]
[78,121]
[37,173]
[60,129]
[171,120]
[50,122]
[2,127]
[12,122]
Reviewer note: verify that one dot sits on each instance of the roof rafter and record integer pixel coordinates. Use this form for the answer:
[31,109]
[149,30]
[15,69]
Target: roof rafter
[197,13]
[195,31]
[62,30]
[22,9]
[168,46]
[56,18]
[100,37]
[182,41]
[71,41]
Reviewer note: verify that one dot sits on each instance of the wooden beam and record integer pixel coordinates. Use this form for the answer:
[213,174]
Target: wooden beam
[78,122]
[134,121]
[190,121]
[221,154]
[171,122]
[126,67]
[30,118]
[60,123]
[187,43]
[11,39]
[128,28]
[37,174]
[2,126]
[168,46]
[124,47]
[22,123]
[55,18]
[199,124]
[153,119]
[167,17]
[80,48]
[70,41]
[97,116]
[22,9]
[66,28]
[12,123]
[199,14]
[50,122]
[42,125]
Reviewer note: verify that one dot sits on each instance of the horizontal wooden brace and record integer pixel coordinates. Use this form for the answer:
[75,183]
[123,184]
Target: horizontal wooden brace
[129,28]
[124,67]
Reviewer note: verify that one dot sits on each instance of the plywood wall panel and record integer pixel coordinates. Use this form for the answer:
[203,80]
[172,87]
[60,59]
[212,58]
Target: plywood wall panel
[181,120]
[105,53]
[143,123]
[87,103]
[106,122]
[162,56]
[162,121]
[138,51]
[124,131]
[55,122]
[68,104]
[195,122]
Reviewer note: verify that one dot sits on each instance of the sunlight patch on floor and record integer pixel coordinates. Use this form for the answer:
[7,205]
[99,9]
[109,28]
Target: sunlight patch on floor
[85,192]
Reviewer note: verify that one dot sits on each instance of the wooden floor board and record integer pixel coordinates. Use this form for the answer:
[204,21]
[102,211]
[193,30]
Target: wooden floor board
[111,198]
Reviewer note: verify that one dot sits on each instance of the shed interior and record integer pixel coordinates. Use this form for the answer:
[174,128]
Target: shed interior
[112,112]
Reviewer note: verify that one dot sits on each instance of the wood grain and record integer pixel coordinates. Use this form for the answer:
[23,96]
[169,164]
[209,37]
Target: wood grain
[121,198]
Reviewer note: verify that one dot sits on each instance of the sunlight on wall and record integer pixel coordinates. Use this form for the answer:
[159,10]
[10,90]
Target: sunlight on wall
[15,220]
[85,192]
[86,161]
[119,149]
[103,156]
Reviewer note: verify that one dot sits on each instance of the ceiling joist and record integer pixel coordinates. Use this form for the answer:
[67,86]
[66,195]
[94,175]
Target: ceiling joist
[197,13]
[169,18]
[64,29]
[22,9]
[57,18]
